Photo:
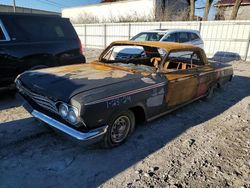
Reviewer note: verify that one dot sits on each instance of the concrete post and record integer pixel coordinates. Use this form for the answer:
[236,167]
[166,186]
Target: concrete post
[200,26]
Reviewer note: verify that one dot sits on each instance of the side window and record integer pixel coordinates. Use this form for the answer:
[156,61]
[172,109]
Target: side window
[141,37]
[42,28]
[183,37]
[154,37]
[2,37]
[189,57]
[171,38]
[194,36]
[181,55]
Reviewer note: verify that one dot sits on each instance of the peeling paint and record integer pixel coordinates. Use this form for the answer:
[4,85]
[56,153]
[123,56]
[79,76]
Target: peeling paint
[89,71]
[148,80]
[156,99]
[117,102]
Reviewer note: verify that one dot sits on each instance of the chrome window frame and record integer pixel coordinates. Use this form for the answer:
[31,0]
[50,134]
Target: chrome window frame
[6,35]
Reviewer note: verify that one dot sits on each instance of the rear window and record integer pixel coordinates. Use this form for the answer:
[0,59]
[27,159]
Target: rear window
[40,28]
[194,36]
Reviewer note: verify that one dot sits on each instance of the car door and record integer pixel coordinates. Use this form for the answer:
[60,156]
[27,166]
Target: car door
[183,82]
[182,86]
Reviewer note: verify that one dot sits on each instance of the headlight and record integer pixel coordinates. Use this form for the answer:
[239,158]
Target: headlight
[72,116]
[69,113]
[63,110]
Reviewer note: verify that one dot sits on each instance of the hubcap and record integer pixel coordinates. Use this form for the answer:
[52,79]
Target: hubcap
[120,129]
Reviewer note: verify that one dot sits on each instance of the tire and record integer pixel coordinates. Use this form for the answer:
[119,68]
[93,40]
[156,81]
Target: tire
[120,127]
[210,92]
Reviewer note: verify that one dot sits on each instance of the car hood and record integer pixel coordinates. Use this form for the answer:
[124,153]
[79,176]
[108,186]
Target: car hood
[62,83]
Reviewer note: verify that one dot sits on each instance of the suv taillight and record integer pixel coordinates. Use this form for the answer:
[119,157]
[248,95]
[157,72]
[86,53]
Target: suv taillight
[81,47]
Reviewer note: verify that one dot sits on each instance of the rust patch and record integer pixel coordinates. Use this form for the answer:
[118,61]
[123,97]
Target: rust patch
[181,88]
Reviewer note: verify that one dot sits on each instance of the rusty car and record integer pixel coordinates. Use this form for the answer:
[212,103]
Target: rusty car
[106,98]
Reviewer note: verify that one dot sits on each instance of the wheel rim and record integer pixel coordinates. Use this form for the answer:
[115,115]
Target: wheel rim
[120,129]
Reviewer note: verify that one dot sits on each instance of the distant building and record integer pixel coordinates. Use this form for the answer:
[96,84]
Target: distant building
[128,10]
[225,7]
[8,8]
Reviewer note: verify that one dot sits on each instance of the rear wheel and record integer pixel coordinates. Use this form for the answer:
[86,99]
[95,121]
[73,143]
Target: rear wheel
[210,92]
[120,127]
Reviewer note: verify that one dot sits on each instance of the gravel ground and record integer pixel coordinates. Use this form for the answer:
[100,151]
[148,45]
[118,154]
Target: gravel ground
[205,144]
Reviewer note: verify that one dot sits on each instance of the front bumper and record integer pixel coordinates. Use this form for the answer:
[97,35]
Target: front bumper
[92,134]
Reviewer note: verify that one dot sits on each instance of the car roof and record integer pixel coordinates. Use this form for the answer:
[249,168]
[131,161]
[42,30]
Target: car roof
[168,46]
[170,30]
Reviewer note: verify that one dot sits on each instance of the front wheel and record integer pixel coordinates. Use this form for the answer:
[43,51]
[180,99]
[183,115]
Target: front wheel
[120,127]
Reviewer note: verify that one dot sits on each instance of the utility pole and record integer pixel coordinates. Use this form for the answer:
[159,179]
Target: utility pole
[14,5]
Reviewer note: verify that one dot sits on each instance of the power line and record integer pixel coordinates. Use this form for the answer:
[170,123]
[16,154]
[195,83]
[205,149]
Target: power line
[55,3]
[49,3]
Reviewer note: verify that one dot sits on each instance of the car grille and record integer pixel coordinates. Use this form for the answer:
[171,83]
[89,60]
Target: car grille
[42,101]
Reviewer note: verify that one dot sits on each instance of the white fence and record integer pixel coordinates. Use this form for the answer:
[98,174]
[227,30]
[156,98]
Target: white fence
[223,36]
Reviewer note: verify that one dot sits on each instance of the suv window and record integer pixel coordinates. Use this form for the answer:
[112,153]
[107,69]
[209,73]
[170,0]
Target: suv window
[40,28]
[141,37]
[2,37]
[148,36]
[194,36]
[183,37]
[173,37]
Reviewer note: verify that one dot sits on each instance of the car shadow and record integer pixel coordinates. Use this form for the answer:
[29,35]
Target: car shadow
[58,162]
[9,99]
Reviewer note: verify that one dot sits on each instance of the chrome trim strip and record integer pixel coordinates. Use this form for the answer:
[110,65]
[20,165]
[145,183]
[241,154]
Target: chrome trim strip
[127,93]
[7,37]
[68,130]
[214,71]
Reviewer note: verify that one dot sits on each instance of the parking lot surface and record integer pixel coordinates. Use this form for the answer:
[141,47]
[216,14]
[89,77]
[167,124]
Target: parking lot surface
[205,144]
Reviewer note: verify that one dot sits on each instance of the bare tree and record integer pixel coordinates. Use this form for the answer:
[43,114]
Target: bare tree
[235,9]
[192,8]
[207,8]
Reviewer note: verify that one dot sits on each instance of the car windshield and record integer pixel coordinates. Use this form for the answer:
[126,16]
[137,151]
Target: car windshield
[134,57]
[150,36]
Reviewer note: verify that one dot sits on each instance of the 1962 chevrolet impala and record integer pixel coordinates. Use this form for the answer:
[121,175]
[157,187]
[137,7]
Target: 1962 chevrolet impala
[105,98]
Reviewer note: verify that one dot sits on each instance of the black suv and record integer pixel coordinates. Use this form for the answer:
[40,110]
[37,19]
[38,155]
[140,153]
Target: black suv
[30,41]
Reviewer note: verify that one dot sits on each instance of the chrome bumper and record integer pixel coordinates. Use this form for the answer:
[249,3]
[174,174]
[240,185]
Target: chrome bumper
[64,128]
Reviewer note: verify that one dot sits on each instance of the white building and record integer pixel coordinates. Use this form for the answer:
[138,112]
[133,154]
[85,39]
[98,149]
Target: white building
[122,11]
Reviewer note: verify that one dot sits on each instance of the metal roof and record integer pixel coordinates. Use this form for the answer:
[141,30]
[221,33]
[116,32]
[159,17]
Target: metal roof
[168,46]
[231,2]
